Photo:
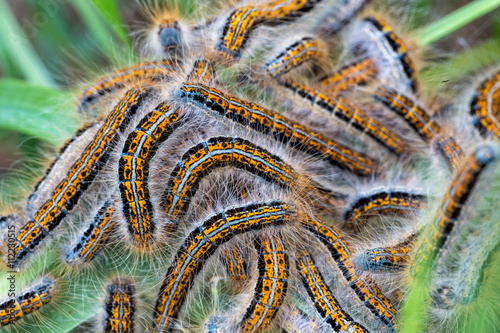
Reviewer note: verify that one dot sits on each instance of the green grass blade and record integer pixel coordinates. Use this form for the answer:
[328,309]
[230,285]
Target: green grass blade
[20,49]
[453,70]
[109,9]
[41,112]
[455,20]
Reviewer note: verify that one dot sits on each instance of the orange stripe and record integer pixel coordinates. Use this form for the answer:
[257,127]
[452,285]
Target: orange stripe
[201,244]
[120,306]
[26,302]
[242,21]
[381,202]
[451,211]
[272,282]
[217,104]
[423,124]
[306,49]
[148,72]
[400,56]
[94,238]
[347,115]
[69,191]
[236,263]
[362,288]
[485,106]
[322,297]
[350,76]
[387,259]
[133,172]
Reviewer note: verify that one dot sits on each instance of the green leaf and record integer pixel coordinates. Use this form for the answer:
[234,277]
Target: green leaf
[455,20]
[20,50]
[35,110]
[109,9]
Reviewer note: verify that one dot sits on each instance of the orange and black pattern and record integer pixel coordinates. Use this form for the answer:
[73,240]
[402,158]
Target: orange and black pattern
[119,307]
[348,115]
[94,238]
[202,71]
[82,173]
[322,297]
[236,263]
[485,106]
[148,72]
[381,202]
[272,283]
[386,259]
[279,128]
[27,301]
[454,201]
[396,44]
[422,123]
[133,172]
[306,49]
[67,147]
[242,21]
[201,244]
[350,76]
[367,292]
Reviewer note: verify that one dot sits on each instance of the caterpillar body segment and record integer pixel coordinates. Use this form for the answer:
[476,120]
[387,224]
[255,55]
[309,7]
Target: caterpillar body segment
[447,147]
[236,263]
[45,185]
[94,238]
[201,244]
[346,114]
[338,15]
[374,38]
[69,191]
[202,71]
[464,264]
[322,297]
[218,104]
[237,30]
[133,173]
[307,49]
[350,76]
[214,153]
[26,302]
[464,285]
[422,123]
[382,201]
[363,288]
[386,259]
[219,152]
[147,73]
[450,213]
[120,306]
[271,287]
[416,116]
[484,106]
[243,21]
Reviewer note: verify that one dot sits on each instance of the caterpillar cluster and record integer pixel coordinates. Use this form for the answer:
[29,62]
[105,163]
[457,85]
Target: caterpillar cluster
[246,182]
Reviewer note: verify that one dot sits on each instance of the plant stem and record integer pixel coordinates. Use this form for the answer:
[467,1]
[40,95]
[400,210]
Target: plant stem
[455,20]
